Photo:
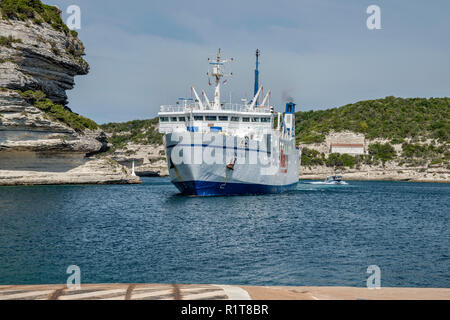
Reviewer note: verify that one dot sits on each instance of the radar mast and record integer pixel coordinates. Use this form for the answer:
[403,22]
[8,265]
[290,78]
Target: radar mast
[217,72]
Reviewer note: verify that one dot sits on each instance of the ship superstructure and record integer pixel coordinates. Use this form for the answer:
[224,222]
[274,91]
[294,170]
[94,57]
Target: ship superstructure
[216,148]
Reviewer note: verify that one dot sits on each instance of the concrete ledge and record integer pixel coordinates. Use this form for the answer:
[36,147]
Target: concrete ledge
[214,292]
[346,293]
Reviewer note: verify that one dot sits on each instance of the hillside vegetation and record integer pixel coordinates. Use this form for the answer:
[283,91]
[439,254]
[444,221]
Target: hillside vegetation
[136,131]
[421,126]
[58,112]
[33,10]
[390,118]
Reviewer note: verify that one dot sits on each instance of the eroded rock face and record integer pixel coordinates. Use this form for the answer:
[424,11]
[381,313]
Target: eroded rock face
[149,160]
[24,127]
[30,168]
[34,147]
[40,59]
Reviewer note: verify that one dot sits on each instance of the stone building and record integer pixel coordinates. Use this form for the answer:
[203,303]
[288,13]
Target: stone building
[346,143]
[348,148]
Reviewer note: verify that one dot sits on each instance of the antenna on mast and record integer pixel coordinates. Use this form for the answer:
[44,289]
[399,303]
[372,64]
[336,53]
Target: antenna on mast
[217,73]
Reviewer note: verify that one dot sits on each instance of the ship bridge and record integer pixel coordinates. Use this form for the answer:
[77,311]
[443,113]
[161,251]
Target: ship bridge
[230,118]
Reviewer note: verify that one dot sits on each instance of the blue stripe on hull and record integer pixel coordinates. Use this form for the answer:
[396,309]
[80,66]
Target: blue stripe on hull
[207,188]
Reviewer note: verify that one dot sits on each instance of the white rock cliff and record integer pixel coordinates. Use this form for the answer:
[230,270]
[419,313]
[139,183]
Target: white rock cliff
[34,147]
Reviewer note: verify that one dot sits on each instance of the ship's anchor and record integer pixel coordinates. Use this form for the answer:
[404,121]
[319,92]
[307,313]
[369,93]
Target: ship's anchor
[230,166]
[172,166]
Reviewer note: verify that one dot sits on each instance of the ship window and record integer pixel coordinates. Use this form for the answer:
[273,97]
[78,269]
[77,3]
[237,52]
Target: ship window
[245,119]
[255,119]
[182,119]
[164,119]
[173,119]
[265,120]
[211,118]
[198,118]
[223,118]
[235,119]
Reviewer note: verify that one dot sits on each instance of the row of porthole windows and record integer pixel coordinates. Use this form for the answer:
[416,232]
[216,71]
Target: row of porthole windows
[216,118]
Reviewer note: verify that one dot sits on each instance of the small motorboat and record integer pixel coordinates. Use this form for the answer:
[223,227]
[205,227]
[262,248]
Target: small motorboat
[335,180]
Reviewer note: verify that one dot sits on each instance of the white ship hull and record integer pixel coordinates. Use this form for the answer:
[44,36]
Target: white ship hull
[241,167]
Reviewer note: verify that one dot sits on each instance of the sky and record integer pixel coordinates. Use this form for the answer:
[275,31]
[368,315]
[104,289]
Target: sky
[144,54]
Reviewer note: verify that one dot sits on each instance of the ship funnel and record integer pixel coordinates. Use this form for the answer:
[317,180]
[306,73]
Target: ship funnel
[290,108]
[289,119]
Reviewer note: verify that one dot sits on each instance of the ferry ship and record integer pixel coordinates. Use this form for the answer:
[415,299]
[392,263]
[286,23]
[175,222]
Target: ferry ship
[215,148]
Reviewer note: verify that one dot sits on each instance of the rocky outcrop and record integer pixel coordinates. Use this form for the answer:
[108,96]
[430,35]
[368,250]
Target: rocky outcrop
[149,160]
[40,58]
[36,147]
[60,168]
[24,127]
[389,172]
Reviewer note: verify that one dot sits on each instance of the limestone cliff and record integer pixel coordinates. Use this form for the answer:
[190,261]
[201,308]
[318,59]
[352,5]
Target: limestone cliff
[41,140]
[149,160]
[138,141]
[38,57]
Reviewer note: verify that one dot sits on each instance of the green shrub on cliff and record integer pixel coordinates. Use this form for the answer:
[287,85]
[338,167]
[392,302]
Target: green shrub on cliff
[34,10]
[8,41]
[435,153]
[58,112]
[384,152]
[137,131]
[341,160]
[4,60]
[312,138]
[38,13]
[311,157]
[411,150]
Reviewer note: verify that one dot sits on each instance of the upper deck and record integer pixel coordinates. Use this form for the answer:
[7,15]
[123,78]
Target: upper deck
[187,106]
[230,118]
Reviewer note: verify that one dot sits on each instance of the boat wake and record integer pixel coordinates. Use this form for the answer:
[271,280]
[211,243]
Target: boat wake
[343,183]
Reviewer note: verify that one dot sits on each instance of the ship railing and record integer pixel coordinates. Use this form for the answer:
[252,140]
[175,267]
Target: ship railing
[225,107]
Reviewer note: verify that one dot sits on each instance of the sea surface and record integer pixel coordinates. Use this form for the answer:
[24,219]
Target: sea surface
[317,235]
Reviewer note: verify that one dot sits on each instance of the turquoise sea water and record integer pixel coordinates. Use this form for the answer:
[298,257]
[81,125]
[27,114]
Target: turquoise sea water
[315,235]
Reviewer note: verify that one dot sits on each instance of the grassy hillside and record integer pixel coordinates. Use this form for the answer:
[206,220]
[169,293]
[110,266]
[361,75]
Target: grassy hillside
[58,112]
[137,131]
[33,10]
[390,118]
[421,126]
